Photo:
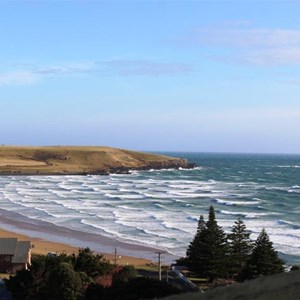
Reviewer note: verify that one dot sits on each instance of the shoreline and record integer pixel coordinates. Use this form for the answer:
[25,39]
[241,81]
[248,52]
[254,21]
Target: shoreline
[48,237]
[42,247]
[110,171]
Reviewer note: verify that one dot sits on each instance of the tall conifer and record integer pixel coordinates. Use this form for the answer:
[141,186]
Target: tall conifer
[195,254]
[216,241]
[240,247]
[264,259]
[208,252]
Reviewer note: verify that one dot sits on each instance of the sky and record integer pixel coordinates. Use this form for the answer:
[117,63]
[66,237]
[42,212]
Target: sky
[207,76]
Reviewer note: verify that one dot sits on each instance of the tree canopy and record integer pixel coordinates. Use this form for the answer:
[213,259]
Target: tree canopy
[81,276]
[240,246]
[264,259]
[90,263]
[64,283]
[207,253]
[214,254]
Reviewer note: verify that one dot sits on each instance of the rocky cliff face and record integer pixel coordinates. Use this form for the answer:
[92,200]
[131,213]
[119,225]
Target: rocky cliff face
[167,164]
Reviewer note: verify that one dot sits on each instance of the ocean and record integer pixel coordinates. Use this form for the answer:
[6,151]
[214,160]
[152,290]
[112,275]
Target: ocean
[161,208]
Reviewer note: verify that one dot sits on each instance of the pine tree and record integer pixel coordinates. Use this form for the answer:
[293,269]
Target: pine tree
[207,253]
[264,259]
[240,247]
[195,254]
[216,240]
[197,238]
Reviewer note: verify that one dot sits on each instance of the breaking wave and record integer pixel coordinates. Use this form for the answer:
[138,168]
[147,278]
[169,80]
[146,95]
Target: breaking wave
[163,207]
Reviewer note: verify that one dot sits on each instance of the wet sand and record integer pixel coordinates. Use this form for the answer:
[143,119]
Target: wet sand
[47,237]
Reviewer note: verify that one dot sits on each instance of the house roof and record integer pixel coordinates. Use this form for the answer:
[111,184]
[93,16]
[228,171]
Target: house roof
[21,254]
[8,246]
[18,249]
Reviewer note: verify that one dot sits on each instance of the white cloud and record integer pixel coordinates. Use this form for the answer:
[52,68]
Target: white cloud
[18,78]
[32,74]
[64,69]
[240,37]
[258,46]
[29,75]
[147,68]
[274,56]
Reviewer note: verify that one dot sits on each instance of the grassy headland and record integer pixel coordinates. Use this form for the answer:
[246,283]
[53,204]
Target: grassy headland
[79,160]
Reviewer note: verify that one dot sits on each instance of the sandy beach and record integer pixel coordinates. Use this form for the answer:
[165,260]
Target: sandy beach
[50,238]
[40,246]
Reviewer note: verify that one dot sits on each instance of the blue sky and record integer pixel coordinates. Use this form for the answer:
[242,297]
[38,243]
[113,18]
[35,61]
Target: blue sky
[221,76]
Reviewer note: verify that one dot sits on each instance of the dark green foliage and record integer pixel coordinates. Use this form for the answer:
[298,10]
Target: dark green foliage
[135,289]
[216,240]
[182,261]
[71,278]
[124,275]
[85,279]
[141,288]
[212,254]
[207,254]
[92,264]
[264,259]
[197,238]
[29,284]
[196,253]
[20,285]
[295,268]
[240,247]
[64,283]
[95,292]
[58,277]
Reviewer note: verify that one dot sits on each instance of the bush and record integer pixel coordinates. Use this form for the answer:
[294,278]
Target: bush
[142,288]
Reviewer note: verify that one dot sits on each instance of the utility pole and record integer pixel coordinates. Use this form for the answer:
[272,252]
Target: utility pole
[159,263]
[116,257]
[115,260]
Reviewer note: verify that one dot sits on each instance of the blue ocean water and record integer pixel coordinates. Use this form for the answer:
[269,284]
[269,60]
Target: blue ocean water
[160,208]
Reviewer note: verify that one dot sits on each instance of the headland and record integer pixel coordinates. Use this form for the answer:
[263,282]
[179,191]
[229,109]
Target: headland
[80,160]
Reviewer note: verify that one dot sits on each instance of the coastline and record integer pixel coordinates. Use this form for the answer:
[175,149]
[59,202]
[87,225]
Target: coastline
[51,238]
[80,160]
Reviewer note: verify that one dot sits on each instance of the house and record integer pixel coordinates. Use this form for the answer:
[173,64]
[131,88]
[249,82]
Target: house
[14,255]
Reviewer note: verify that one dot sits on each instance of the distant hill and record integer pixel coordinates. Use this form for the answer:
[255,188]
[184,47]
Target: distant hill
[78,160]
[283,286]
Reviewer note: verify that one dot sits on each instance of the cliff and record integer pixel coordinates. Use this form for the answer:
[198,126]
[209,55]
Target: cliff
[79,160]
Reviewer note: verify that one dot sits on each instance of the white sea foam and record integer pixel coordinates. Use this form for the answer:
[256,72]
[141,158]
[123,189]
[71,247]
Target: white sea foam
[248,215]
[152,208]
[237,203]
[288,166]
[158,195]
[193,218]
[290,224]
[129,208]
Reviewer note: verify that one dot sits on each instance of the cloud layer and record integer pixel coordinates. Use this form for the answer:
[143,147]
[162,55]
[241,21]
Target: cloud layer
[147,68]
[18,78]
[258,46]
[125,67]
